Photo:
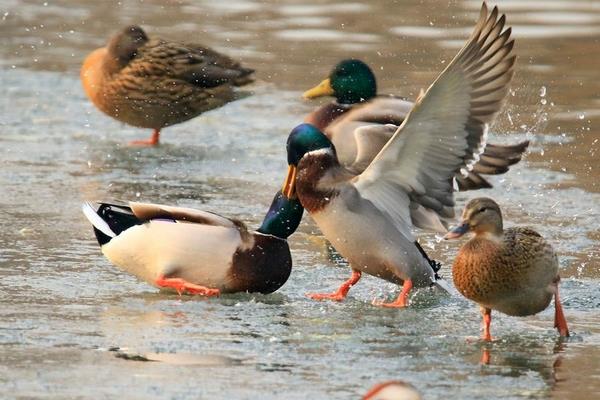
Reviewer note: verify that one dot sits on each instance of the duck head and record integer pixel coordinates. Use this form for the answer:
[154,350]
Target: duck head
[283,216]
[350,81]
[302,139]
[480,216]
[124,45]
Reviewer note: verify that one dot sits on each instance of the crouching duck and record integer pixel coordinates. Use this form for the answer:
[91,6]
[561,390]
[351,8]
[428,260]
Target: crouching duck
[369,217]
[514,270]
[359,123]
[197,252]
[154,83]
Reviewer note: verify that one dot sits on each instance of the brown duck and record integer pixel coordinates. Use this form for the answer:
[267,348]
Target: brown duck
[514,270]
[154,83]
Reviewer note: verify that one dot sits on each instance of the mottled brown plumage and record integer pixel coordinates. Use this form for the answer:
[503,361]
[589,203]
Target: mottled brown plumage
[154,83]
[514,270]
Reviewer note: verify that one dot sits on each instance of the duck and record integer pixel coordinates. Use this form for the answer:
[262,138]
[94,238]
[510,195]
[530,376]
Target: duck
[392,390]
[369,218]
[197,252]
[513,271]
[360,122]
[154,83]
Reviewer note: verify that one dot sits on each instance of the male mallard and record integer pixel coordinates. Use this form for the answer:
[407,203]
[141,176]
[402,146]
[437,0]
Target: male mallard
[359,123]
[392,390]
[195,251]
[514,270]
[153,83]
[369,217]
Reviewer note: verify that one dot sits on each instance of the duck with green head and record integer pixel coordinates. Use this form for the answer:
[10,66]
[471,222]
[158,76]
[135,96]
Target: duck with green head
[360,122]
[197,252]
[369,217]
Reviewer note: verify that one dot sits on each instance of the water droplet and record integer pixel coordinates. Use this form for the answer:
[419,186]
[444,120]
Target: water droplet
[543,101]
[137,194]
[581,115]
[543,91]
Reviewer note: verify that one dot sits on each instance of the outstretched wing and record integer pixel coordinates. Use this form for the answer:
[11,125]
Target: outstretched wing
[444,132]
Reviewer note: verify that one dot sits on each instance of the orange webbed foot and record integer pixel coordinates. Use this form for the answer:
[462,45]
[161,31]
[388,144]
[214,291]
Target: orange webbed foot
[401,301]
[398,303]
[341,293]
[182,286]
[336,296]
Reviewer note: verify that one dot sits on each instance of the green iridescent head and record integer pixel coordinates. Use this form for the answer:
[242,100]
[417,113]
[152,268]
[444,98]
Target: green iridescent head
[303,139]
[283,216]
[351,81]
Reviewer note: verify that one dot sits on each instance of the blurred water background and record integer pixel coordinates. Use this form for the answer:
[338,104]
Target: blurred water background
[72,326]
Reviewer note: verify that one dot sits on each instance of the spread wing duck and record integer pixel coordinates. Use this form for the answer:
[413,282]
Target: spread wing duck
[359,123]
[369,217]
[154,83]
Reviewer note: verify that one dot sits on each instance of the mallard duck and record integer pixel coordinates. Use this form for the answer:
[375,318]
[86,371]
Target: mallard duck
[154,83]
[197,252]
[392,390]
[368,218]
[514,270]
[359,123]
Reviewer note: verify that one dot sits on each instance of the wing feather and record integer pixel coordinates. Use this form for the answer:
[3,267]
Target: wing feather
[445,132]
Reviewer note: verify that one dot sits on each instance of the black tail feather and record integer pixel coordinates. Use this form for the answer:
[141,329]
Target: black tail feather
[435,265]
[118,217]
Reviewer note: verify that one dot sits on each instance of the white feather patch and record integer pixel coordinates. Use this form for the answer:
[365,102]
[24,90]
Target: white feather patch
[92,216]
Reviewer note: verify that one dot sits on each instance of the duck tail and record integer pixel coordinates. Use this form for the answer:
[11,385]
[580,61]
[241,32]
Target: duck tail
[245,76]
[437,280]
[102,230]
[110,219]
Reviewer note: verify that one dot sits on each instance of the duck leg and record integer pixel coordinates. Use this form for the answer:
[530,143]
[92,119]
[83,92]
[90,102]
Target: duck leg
[182,286]
[153,141]
[486,313]
[560,322]
[402,300]
[342,291]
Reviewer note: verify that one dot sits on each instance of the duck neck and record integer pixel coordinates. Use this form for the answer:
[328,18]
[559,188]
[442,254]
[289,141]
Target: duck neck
[283,217]
[322,117]
[319,172]
[494,236]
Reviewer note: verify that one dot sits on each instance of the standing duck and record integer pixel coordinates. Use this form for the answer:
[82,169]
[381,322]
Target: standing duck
[369,217]
[154,83]
[197,252]
[514,270]
[359,123]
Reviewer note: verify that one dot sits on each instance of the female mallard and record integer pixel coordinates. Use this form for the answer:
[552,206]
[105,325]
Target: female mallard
[197,252]
[369,217]
[514,271]
[153,83]
[359,123]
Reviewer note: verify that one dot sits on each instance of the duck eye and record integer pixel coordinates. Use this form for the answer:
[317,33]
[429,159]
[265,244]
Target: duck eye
[482,209]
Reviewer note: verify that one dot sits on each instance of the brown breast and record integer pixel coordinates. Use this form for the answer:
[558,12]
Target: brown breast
[326,114]
[481,273]
[263,268]
[311,170]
